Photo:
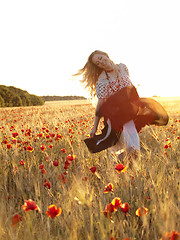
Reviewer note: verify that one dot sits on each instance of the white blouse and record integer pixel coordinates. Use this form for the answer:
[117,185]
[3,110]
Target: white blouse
[106,87]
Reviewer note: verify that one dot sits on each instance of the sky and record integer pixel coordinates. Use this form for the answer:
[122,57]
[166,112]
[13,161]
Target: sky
[43,42]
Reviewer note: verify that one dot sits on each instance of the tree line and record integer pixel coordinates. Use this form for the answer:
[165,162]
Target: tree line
[15,97]
[62,98]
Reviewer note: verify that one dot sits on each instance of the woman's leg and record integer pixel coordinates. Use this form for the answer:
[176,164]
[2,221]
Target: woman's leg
[129,137]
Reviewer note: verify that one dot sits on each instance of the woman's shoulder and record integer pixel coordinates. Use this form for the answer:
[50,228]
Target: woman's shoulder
[123,68]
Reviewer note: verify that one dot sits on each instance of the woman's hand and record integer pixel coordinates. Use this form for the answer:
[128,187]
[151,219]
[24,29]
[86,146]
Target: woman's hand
[97,118]
[92,133]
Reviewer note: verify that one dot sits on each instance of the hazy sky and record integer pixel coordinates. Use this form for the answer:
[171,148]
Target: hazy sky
[43,42]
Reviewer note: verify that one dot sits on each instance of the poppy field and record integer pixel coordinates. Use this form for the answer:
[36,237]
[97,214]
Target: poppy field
[53,188]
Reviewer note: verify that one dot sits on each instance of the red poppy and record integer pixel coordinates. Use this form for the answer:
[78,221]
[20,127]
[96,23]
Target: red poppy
[22,162]
[93,169]
[50,146]
[43,171]
[171,236]
[71,157]
[15,134]
[175,235]
[29,148]
[47,184]
[55,163]
[41,166]
[40,135]
[109,210]
[141,211]
[116,202]
[43,147]
[63,150]
[52,135]
[30,205]
[121,168]
[124,207]
[53,211]
[13,141]
[108,188]
[15,219]
[8,146]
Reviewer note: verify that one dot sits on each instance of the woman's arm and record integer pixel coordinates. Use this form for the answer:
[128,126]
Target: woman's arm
[97,117]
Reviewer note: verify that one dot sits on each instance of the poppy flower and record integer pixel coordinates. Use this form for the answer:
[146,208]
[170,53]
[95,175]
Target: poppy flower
[63,150]
[47,184]
[22,162]
[43,147]
[53,211]
[124,207]
[40,135]
[121,168]
[41,166]
[8,146]
[171,236]
[71,157]
[43,171]
[175,235]
[66,164]
[29,148]
[15,219]
[50,146]
[108,188]
[93,169]
[30,205]
[109,210]
[141,211]
[55,163]
[116,202]
[15,134]
[52,135]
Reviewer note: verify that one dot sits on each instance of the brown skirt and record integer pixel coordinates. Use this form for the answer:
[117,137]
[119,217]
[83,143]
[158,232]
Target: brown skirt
[121,108]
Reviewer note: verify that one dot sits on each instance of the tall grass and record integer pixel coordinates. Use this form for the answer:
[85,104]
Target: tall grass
[152,180]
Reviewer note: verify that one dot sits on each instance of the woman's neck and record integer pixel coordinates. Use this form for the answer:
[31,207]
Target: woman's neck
[110,68]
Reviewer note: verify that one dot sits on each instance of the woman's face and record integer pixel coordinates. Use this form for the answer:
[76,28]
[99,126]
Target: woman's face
[102,61]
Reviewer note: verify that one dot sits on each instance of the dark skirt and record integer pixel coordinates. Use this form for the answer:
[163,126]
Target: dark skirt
[121,108]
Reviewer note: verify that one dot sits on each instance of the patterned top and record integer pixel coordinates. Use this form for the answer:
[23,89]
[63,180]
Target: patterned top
[107,87]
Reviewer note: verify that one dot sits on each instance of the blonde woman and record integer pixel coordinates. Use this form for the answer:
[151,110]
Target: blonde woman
[118,102]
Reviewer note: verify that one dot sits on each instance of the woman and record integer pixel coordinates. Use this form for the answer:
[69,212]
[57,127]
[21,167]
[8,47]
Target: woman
[118,102]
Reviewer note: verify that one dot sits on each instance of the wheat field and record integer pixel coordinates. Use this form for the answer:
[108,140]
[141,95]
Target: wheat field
[53,188]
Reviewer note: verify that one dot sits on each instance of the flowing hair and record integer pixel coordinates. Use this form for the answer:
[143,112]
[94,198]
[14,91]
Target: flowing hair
[90,73]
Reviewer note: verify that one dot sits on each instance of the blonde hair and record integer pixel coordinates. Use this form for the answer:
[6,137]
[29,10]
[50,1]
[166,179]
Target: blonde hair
[90,73]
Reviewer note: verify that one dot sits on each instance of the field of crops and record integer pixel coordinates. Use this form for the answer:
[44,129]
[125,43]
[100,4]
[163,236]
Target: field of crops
[53,188]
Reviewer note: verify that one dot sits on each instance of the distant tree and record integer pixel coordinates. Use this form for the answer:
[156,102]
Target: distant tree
[2,103]
[36,100]
[15,97]
[24,95]
[16,101]
[62,98]
[6,95]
